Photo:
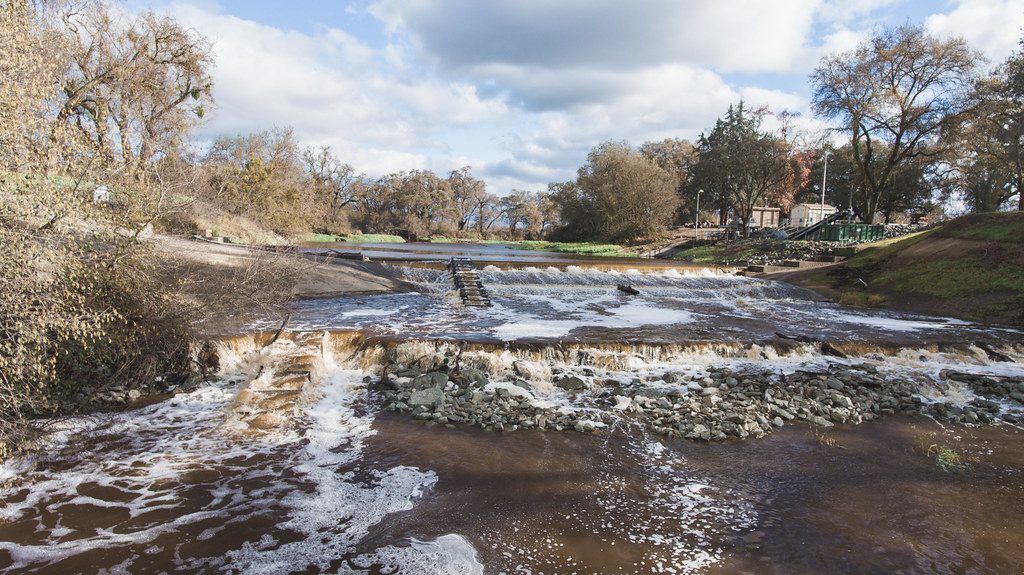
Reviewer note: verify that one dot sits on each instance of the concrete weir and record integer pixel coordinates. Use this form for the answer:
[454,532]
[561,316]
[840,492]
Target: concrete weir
[467,281]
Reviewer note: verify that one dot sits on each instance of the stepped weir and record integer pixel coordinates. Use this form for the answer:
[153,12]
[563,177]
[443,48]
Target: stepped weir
[467,281]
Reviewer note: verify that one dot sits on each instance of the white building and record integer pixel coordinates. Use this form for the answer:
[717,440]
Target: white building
[803,215]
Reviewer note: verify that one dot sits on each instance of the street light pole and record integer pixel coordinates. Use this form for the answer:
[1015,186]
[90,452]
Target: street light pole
[696,215]
[824,174]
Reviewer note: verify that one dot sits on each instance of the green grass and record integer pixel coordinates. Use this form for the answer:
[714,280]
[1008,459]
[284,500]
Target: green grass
[581,248]
[953,278]
[878,251]
[713,253]
[996,226]
[371,239]
[318,238]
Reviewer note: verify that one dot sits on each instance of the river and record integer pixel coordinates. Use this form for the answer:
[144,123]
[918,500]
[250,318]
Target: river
[342,485]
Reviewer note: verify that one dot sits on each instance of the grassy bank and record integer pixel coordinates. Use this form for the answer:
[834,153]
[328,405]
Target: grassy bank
[580,248]
[353,238]
[971,267]
[718,252]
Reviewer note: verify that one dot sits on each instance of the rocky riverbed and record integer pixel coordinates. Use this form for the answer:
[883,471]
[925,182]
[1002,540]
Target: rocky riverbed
[712,404]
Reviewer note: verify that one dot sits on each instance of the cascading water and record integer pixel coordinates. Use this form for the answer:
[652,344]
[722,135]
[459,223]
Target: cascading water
[264,471]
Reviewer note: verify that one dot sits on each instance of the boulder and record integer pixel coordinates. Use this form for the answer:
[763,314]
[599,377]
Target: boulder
[571,383]
[427,397]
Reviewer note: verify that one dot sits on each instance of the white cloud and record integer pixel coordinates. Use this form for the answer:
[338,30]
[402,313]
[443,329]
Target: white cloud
[740,35]
[332,89]
[523,89]
[993,26]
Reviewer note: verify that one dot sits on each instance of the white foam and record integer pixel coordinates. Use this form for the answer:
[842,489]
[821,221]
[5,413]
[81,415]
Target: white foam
[896,324]
[449,554]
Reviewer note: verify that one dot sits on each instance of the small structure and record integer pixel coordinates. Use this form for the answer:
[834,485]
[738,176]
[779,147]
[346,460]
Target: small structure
[803,215]
[101,195]
[467,281]
[764,217]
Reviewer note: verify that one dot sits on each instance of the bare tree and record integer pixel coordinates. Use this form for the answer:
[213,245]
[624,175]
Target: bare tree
[134,87]
[334,183]
[895,94]
[467,193]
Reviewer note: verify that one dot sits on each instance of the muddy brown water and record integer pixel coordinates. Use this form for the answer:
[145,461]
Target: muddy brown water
[858,499]
[346,487]
[875,502]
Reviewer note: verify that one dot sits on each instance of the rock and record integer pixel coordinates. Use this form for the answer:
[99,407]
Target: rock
[622,402]
[134,394]
[694,386]
[777,421]
[427,397]
[531,371]
[699,431]
[784,414]
[819,421]
[651,392]
[471,376]
[571,383]
[671,377]
[835,384]
[709,391]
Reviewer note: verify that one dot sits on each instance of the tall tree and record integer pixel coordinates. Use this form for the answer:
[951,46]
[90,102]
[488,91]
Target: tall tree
[677,156]
[895,94]
[467,193]
[134,87]
[744,166]
[988,159]
[334,185]
[619,195]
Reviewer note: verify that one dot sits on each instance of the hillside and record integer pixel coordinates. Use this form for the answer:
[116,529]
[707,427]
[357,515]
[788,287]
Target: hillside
[971,267]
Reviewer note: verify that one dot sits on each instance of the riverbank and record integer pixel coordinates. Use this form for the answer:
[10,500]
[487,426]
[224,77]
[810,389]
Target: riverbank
[969,268]
[323,277]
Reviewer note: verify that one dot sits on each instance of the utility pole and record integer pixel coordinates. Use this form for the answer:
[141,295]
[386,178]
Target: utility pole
[696,215]
[824,174]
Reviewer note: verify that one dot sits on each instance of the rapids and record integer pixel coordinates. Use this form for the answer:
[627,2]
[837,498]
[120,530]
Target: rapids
[338,485]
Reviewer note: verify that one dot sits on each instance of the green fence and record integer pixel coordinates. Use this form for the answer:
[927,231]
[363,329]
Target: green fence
[851,232]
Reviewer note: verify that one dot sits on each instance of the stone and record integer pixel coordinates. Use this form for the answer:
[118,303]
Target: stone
[622,402]
[784,414]
[844,401]
[134,394]
[819,421]
[835,384]
[699,431]
[709,391]
[571,383]
[694,386]
[427,397]
[472,376]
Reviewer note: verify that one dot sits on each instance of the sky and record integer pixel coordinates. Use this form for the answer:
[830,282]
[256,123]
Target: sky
[521,90]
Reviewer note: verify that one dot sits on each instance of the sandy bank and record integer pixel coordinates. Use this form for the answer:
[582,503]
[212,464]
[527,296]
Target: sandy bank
[324,277]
